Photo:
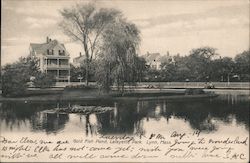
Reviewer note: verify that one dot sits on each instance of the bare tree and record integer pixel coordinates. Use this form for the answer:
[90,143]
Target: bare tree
[85,23]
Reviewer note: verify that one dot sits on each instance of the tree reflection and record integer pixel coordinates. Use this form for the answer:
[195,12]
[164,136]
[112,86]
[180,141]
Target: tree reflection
[49,122]
[128,116]
[200,114]
[125,119]
[17,114]
[91,124]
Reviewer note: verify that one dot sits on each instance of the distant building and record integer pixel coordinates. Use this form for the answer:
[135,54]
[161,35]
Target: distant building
[78,60]
[52,59]
[154,60]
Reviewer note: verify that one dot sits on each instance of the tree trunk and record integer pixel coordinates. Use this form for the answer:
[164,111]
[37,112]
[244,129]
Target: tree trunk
[87,73]
[85,45]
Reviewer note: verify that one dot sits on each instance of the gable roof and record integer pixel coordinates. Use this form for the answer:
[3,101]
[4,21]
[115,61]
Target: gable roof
[42,48]
[150,57]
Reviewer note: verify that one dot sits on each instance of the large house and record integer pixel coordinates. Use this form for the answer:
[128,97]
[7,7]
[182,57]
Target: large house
[52,59]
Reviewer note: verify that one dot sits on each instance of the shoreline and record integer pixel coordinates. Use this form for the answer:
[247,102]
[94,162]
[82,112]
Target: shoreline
[138,94]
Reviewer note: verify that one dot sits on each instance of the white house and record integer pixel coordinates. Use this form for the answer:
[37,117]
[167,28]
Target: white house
[52,58]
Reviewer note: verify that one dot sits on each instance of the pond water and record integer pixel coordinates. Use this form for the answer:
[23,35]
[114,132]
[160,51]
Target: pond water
[226,114]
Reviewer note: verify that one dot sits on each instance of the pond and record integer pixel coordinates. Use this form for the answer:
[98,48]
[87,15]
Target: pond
[226,114]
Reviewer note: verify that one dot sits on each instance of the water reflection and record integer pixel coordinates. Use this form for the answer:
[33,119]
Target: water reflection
[49,122]
[127,116]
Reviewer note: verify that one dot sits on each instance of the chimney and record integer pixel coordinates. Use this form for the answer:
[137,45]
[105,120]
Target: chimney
[47,39]
[80,54]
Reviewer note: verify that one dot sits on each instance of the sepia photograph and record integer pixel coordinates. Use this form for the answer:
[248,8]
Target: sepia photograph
[125,81]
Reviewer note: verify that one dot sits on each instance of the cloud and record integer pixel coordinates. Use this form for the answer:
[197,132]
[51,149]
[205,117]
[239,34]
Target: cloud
[184,28]
[230,18]
[141,23]
[223,13]
[24,40]
[39,22]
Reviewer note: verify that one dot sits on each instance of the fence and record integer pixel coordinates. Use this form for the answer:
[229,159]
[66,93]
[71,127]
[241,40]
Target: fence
[241,85]
[231,85]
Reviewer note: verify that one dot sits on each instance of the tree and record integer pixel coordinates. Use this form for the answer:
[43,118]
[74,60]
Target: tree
[118,59]
[199,62]
[168,71]
[86,23]
[141,68]
[76,72]
[15,76]
[222,68]
[242,62]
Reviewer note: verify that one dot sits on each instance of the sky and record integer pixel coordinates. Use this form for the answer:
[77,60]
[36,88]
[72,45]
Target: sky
[166,25]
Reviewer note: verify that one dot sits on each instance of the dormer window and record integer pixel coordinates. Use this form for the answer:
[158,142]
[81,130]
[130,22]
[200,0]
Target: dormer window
[61,52]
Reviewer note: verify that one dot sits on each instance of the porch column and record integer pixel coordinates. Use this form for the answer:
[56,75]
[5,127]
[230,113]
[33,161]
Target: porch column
[69,77]
[57,74]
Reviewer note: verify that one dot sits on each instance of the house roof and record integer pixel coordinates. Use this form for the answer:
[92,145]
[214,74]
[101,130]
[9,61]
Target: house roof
[150,57]
[79,57]
[42,48]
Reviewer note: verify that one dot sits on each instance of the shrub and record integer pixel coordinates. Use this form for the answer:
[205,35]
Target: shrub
[44,80]
[14,81]
[81,86]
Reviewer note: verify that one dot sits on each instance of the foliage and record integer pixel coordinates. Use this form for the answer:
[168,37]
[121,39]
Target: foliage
[85,23]
[81,86]
[199,63]
[118,61]
[15,76]
[76,72]
[202,65]
[242,63]
[44,80]
[141,68]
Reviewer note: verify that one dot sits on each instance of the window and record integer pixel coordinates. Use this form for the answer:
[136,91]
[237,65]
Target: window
[50,52]
[61,52]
